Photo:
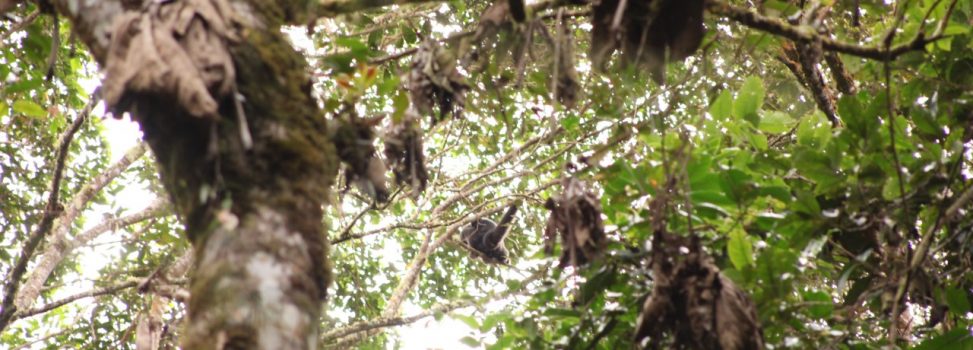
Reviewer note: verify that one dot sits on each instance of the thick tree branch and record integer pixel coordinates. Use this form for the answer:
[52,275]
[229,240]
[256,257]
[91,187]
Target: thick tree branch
[51,211]
[157,209]
[843,79]
[802,60]
[780,27]
[331,8]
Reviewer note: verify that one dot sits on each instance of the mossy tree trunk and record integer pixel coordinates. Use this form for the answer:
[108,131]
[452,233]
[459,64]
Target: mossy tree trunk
[253,212]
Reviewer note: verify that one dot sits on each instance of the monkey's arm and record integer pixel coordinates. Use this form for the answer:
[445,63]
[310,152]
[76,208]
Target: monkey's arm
[508,216]
[517,10]
[495,236]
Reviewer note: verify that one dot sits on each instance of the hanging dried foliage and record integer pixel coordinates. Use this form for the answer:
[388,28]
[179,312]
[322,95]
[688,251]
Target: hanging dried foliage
[566,83]
[576,218]
[354,138]
[403,149]
[434,81]
[179,49]
[648,33]
[694,303]
[493,20]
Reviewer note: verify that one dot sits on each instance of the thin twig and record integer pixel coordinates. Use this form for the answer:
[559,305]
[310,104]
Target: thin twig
[67,300]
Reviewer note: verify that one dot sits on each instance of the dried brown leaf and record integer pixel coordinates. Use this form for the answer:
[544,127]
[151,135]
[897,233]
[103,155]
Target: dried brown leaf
[434,83]
[576,217]
[177,49]
[403,149]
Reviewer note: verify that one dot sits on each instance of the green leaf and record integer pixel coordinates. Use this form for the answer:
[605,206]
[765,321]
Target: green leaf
[400,103]
[749,100]
[571,122]
[470,341]
[357,48]
[958,338]
[562,313]
[759,141]
[816,167]
[856,290]
[776,122]
[29,109]
[890,190]
[821,304]
[781,193]
[851,113]
[722,108]
[469,320]
[596,285]
[739,249]
[491,321]
[957,300]
[713,197]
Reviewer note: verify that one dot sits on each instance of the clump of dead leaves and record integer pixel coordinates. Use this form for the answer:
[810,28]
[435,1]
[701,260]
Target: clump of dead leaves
[403,149]
[178,49]
[694,302]
[436,87]
[648,33]
[517,46]
[353,139]
[576,218]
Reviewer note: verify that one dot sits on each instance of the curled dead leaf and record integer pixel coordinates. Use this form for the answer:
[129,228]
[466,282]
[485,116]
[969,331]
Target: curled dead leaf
[176,49]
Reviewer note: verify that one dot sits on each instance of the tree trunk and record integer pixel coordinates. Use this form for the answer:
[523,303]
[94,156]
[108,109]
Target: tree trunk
[252,211]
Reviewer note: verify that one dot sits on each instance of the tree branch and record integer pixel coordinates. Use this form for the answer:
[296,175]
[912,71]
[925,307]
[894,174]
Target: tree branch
[411,276]
[67,300]
[19,26]
[51,211]
[58,244]
[780,27]
[174,270]
[332,8]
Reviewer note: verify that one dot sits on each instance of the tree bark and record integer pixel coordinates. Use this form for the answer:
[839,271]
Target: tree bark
[253,211]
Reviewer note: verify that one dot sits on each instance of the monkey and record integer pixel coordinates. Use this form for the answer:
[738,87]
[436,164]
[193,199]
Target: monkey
[517,10]
[486,237]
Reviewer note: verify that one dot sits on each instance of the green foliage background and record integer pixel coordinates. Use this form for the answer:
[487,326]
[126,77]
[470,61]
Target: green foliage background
[816,223]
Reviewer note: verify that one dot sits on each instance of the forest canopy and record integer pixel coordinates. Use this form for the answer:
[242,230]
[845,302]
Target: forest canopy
[701,174]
